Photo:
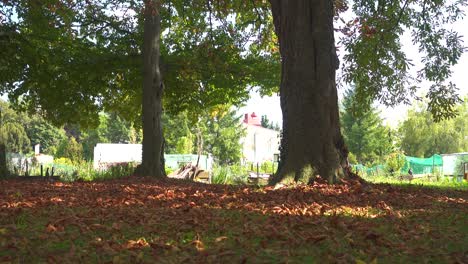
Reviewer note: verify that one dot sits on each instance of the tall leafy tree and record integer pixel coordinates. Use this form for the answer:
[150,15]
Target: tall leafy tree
[12,130]
[264,121]
[178,133]
[375,64]
[364,132]
[16,139]
[47,135]
[96,54]
[113,44]
[422,137]
[216,132]
[308,91]
[69,148]
[91,137]
[118,130]
[222,137]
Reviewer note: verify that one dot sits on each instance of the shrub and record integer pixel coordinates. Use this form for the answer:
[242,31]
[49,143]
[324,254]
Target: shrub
[233,174]
[394,163]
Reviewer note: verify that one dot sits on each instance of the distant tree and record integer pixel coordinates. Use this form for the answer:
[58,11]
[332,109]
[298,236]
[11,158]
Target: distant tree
[118,129]
[69,148]
[184,145]
[265,122]
[217,132]
[222,136]
[48,136]
[16,139]
[91,137]
[364,133]
[178,133]
[12,130]
[421,136]
[36,130]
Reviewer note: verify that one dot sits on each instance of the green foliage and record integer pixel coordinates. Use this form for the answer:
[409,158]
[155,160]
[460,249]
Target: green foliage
[184,145]
[267,167]
[37,129]
[433,182]
[118,130]
[266,123]
[365,135]
[45,134]
[63,161]
[352,158]
[376,64]
[112,129]
[91,137]
[96,56]
[12,132]
[70,149]
[72,171]
[394,163]
[222,139]
[422,137]
[220,130]
[178,133]
[16,139]
[232,174]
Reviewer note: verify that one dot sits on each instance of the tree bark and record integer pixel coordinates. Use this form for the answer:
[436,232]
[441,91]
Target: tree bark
[153,151]
[311,142]
[3,159]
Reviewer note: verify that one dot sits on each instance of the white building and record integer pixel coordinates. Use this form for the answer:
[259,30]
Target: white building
[259,144]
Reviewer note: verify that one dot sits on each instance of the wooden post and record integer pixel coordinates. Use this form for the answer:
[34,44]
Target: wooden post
[42,170]
[26,173]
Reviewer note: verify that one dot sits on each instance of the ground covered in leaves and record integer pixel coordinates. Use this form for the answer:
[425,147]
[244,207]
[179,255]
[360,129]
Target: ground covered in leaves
[143,220]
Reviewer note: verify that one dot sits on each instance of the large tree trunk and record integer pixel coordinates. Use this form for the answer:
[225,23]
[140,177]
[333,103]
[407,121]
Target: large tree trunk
[311,143]
[153,155]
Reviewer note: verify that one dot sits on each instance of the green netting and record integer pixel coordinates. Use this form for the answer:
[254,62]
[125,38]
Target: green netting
[370,171]
[418,166]
[423,165]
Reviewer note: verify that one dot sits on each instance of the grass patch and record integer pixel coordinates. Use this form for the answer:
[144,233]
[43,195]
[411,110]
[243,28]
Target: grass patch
[440,183]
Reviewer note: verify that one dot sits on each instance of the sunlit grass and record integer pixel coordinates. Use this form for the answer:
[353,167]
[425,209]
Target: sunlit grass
[441,182]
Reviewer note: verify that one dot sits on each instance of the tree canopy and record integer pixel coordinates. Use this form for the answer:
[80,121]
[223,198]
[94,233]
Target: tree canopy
[422,137]
[69,60]
[377,65]
[93,48]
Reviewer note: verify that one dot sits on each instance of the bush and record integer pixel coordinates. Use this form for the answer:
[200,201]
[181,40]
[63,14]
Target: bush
[352,158]
[394,163]
[233,174]
[71,149]
[86,172]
